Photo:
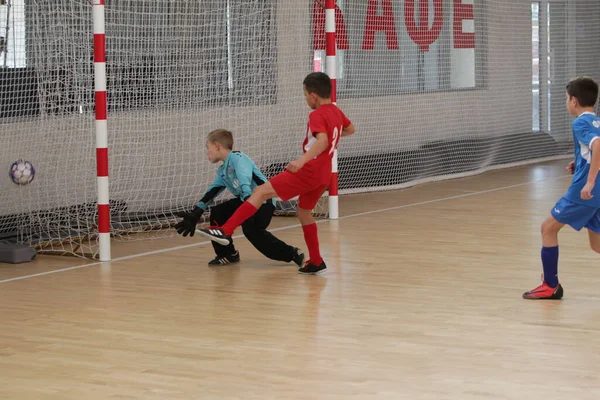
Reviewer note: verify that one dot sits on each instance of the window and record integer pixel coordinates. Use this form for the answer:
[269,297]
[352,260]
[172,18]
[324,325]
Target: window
[173,54]
[442,50]
[535,62]
[209,53]
[12,34]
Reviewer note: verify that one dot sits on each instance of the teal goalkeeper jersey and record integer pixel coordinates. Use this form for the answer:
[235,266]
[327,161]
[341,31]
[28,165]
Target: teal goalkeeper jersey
[238,174]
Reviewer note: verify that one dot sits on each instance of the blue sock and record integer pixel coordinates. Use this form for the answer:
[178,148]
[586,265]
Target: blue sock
[550,264]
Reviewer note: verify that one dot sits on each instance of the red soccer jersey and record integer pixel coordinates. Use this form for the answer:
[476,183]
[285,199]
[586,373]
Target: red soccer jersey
[327,119]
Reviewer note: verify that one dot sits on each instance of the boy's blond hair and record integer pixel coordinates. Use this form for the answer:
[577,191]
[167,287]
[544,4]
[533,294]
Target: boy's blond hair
[221,136]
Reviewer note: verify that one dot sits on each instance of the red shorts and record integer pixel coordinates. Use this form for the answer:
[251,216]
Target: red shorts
[288,185]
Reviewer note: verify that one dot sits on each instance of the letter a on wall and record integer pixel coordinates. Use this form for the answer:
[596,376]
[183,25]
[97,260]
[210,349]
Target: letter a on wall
[376,23]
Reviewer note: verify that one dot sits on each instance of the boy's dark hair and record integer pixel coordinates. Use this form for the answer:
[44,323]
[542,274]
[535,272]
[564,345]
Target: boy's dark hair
[221,136]
[319,83]
[584,89]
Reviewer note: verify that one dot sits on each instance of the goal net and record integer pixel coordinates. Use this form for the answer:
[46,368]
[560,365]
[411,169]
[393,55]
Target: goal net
[436,88]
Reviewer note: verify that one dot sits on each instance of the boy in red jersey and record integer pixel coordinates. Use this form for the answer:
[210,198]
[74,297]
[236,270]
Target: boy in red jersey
[307,177]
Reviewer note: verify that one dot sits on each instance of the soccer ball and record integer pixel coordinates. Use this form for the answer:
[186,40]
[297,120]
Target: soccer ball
[21,172]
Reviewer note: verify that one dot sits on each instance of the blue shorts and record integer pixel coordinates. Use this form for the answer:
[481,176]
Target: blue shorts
[577,216]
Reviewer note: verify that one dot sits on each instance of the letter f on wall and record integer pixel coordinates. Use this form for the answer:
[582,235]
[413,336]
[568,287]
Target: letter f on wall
[421,34]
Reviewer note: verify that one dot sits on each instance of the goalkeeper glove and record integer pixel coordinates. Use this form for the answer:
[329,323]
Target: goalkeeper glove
[188,225]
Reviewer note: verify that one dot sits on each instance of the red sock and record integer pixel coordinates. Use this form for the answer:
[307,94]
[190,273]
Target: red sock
[312,242]
[240,215]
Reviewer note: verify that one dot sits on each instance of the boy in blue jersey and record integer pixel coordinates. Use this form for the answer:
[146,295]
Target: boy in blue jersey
[240,176]
[580,206]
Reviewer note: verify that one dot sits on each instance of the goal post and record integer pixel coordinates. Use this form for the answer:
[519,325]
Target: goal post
[331,68]
[101,108]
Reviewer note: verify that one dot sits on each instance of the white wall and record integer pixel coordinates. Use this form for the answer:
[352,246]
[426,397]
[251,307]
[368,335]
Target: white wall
[157,156]
[407,121]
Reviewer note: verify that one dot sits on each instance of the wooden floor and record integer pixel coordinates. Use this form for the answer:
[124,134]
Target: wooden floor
[420,301]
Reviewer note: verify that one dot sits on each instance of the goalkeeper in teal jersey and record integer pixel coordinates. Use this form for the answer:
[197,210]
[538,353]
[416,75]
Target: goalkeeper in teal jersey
[240,176]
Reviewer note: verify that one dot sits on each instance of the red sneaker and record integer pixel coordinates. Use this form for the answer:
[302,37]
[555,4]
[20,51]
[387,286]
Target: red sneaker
[545,292]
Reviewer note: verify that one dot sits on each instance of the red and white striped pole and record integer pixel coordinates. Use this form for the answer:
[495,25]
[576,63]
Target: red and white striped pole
[331,70]
[101,130]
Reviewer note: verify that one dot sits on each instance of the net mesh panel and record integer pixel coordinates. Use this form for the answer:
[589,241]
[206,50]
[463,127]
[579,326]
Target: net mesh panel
[436,88]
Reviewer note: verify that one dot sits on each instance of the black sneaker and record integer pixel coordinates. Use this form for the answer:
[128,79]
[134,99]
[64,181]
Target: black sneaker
[216,235]
[230,259]
[298,257]
[311,269]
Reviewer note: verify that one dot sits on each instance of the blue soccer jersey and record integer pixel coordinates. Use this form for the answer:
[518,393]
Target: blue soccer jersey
[586,129]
